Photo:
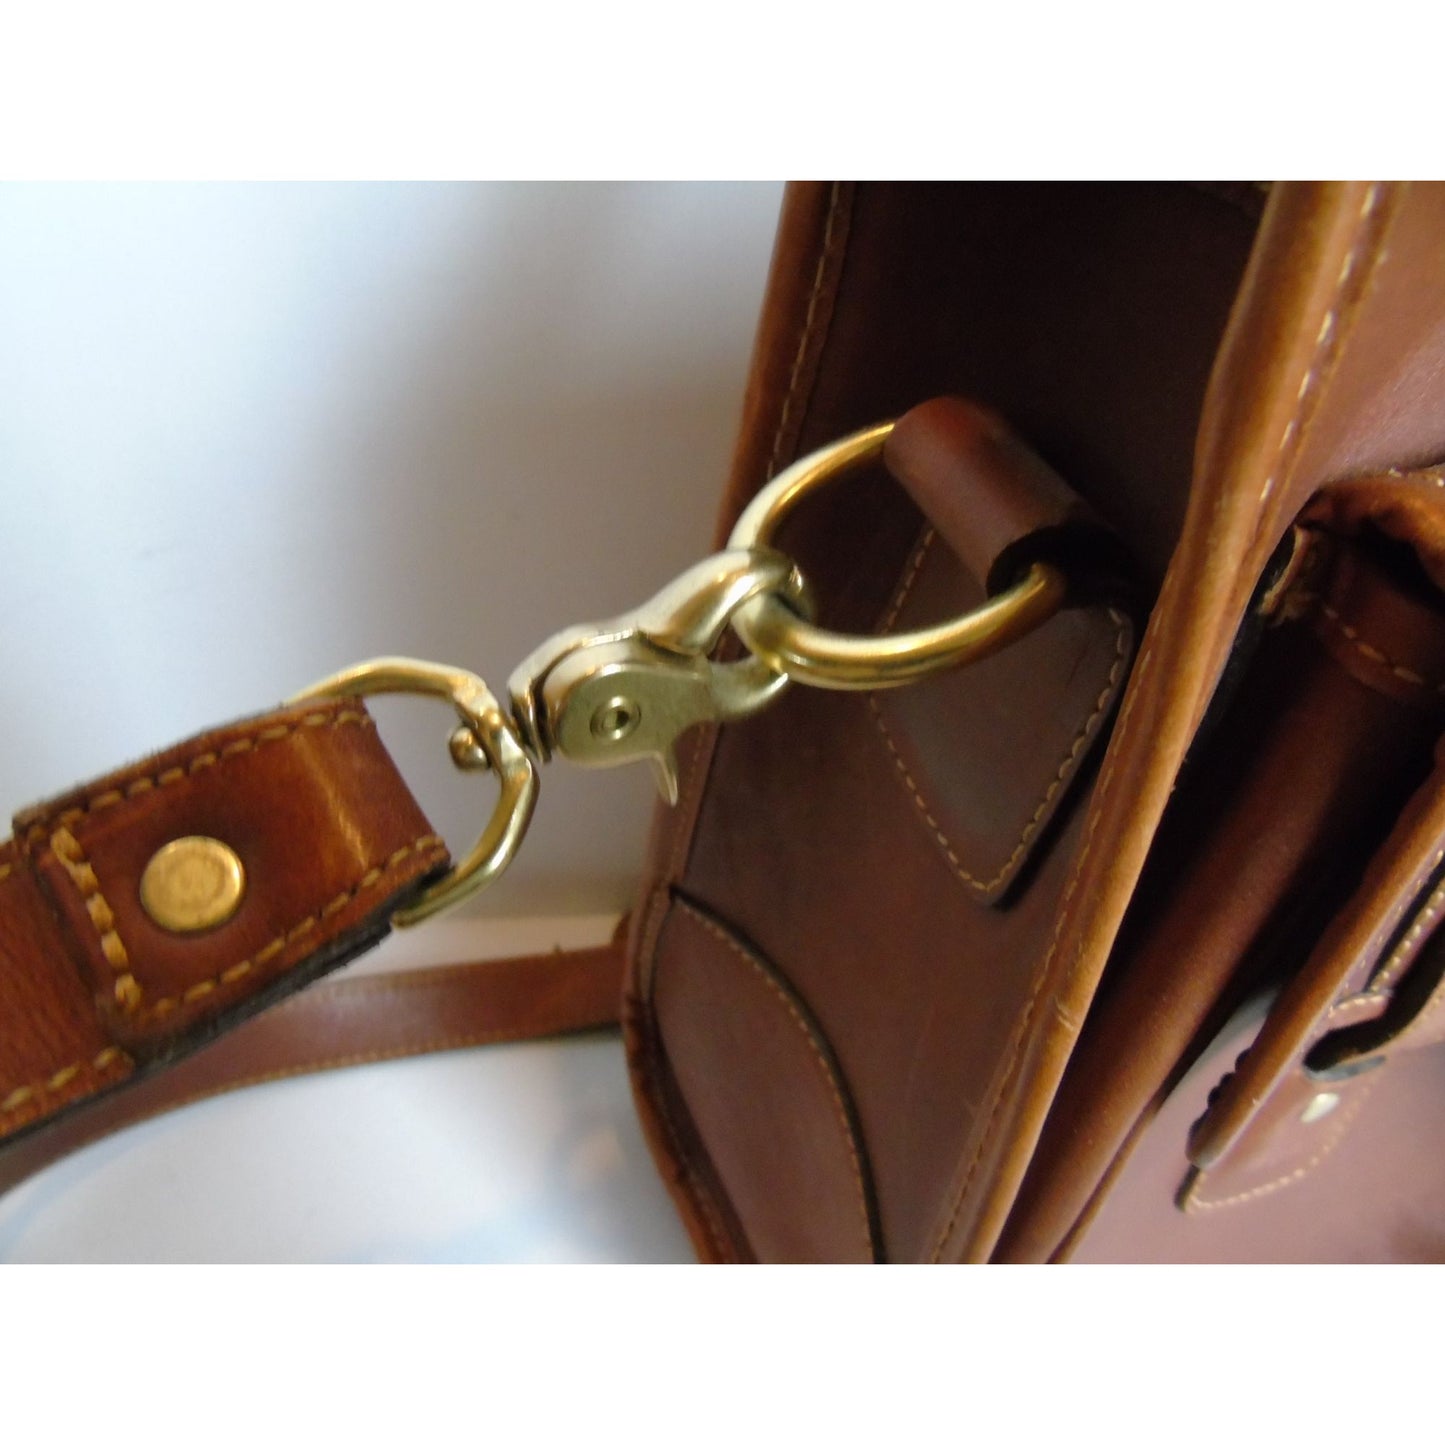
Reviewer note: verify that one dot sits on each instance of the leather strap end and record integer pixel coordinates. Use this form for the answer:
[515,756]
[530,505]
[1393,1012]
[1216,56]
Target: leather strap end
[93,990]
[996,502]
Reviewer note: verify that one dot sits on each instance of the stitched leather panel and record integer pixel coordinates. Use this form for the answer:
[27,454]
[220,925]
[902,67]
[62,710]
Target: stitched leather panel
[1299,781]
[1329,735]
[807,840]
[1379,1162]
[1389,636]
[1325,363]
[989,754]
[52,1045]
[759,1082]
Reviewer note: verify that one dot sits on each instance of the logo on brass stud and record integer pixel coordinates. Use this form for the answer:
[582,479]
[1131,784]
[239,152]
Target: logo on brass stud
[192,884]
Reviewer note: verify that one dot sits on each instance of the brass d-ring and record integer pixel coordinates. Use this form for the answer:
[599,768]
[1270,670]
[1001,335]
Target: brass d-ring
[772,631]
[497,749]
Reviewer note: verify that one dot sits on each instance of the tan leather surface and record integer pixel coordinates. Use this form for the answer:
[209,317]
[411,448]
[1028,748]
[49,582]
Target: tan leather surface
[91,989]
[343,1022]
[1388,640]
[1339,986]
[1353,1002]
[1391,639]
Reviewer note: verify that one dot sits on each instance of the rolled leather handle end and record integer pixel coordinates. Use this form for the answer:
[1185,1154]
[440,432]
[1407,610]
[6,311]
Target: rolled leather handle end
[995,501]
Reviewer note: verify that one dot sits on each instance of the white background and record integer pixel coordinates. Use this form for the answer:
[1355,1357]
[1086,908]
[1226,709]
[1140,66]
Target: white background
[250,434]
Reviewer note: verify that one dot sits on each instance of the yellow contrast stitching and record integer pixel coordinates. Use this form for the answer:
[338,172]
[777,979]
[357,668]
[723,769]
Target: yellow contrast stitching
[910,576]
[1358,1001]
[1322,339]
[1042,972]
[32,1093]
[814,296]
[72,858]
[18,1097]
[686,1173]
[1400,954]
[277,945]
[193,765]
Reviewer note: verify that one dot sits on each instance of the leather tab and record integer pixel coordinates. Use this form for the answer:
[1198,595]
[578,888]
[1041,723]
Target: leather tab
[990,753]
[93,990]
[994,500]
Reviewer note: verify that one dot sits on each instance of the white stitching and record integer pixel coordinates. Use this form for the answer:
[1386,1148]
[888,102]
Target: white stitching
[1198,1202]
[1322,338]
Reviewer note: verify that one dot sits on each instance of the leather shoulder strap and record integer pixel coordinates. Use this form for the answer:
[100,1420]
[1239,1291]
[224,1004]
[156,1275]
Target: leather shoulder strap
[326,840]
[106,993]
[343,1022]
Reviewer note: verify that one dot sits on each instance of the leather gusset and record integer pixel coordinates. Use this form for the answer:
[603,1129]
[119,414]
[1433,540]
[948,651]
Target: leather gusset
[1325,371]
[789,825]
[1375,1165]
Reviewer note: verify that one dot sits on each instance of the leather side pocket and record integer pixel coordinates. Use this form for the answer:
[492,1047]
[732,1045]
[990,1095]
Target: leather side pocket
[762,1090]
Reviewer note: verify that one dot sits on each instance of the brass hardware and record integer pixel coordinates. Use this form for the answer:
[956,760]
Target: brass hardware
[627,689]
[192,884]
[1318,1107]
[615,719]
[773,633]
[486,739]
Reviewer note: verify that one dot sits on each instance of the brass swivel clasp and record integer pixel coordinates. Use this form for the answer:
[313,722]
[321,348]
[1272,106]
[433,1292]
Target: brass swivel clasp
[626,689]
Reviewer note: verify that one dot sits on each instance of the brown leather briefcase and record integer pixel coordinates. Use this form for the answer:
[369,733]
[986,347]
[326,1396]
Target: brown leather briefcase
[1116,943]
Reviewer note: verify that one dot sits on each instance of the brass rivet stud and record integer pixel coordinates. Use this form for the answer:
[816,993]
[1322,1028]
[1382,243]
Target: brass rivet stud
[192,884]
[615,719]
[1318,1107]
